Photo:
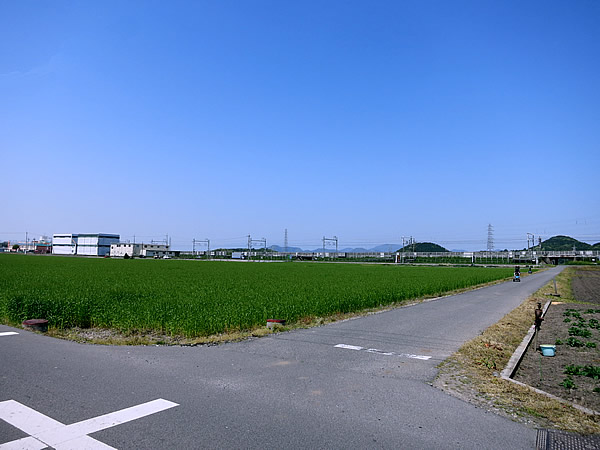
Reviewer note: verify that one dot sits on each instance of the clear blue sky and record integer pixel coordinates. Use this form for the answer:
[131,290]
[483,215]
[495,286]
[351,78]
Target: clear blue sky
[365,120]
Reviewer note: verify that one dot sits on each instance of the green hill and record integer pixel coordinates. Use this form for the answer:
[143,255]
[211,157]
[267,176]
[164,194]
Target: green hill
[561,243]
[423,247]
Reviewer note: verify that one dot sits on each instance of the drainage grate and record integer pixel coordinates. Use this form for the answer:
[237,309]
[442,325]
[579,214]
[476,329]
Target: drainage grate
[561,440]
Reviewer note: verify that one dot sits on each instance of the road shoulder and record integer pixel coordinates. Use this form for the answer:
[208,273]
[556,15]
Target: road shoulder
[473,373]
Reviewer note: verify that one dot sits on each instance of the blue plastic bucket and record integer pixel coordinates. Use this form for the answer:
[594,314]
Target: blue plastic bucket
[548,350]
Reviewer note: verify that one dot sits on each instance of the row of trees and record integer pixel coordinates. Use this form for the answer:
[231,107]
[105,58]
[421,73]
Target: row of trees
[6,244]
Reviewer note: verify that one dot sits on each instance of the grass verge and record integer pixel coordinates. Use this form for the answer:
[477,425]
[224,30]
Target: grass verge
[472,373]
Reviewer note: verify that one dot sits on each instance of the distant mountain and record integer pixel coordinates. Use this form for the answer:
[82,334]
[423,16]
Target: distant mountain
[562,243]
[390,248]
[386,248]
[341,250]
[556,243]
[424,247]
[277,248]
[378,249]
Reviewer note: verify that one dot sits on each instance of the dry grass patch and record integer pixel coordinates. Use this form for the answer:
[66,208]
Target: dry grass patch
[473,372]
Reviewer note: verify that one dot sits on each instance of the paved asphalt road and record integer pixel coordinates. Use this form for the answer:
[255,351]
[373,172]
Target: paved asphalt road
[290,390]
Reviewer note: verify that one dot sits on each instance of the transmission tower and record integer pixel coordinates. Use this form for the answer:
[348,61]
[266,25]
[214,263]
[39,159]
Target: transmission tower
[285,242]
[490,240]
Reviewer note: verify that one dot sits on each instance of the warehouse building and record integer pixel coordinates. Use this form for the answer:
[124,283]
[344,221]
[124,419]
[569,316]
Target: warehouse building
[64,244]
[87,244]
[140,250]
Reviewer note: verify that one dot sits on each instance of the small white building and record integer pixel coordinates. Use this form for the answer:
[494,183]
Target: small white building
[88,244]
[139,250]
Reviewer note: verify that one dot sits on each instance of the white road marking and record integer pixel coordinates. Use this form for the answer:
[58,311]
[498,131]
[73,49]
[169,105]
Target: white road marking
[27,443]
[407,355]
[46,432]
[8,333]
[374,350]
[381,352]
[349,347]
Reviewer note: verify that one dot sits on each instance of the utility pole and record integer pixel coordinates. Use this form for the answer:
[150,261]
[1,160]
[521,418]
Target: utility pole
[262,241]
[403,249]
[408,241]
[532,237]
[285,242]
[202,241]
[335,238]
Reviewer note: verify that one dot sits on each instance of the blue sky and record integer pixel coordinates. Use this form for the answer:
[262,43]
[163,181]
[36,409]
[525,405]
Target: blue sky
[365,120]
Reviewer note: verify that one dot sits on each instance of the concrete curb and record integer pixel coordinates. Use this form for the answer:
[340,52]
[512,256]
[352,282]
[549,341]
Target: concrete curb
[516,358]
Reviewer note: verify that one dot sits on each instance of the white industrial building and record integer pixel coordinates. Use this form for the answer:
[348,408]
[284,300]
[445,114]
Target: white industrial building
[88,244]
[64,244]
[140,250]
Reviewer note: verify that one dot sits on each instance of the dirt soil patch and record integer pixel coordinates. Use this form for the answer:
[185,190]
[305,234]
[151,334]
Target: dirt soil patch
[574,372]
[586,284]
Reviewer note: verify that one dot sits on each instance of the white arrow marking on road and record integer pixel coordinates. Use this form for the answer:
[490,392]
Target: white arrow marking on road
[8,333]
[381,352]
[46,432]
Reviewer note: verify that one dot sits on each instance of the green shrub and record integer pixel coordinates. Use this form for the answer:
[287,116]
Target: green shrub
[573,342]
[576,331]
[568,383]
[573,370]
[591,372]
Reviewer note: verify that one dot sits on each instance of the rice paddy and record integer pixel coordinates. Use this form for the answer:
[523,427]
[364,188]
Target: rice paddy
[192,298]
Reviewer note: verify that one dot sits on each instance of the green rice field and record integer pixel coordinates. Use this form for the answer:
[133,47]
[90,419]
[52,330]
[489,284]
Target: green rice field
[193,298]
